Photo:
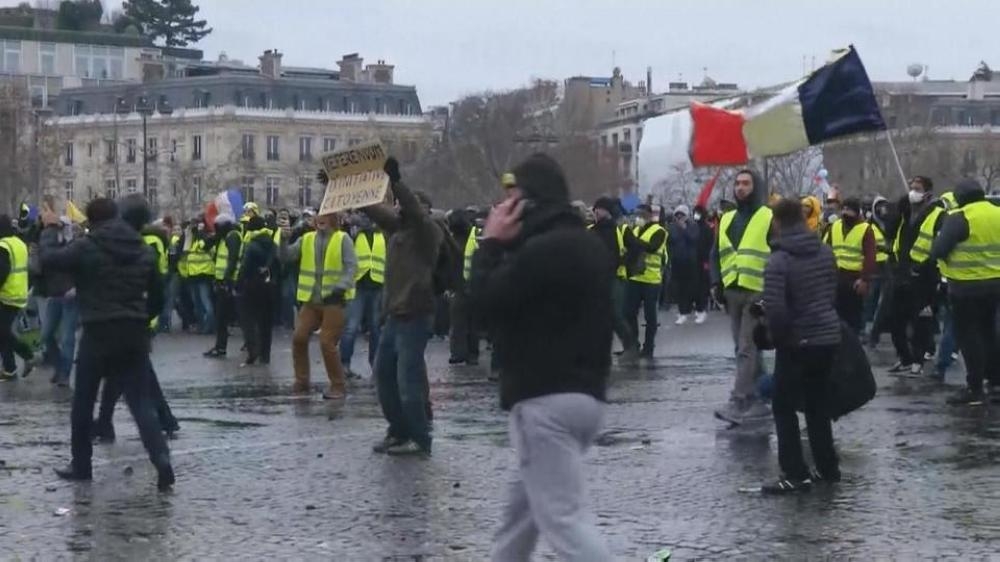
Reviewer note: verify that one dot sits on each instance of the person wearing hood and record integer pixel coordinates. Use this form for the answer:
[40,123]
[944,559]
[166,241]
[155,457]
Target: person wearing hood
[253,290]
[369,245]
[135,212]
[968,253]
[915,278]
[853,244]
[812,213]
[879,222]
[646,252]
[800,286]
[13,299]
[606,213]
[543,286]
[228,245]
[119,290]
[706,239]
[683,244]
[738,259]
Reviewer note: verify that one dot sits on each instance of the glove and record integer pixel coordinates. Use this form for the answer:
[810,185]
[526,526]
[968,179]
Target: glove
[322,177]
[392,170]
[719,295]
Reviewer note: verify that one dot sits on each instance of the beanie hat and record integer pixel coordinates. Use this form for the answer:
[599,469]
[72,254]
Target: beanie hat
[542,180]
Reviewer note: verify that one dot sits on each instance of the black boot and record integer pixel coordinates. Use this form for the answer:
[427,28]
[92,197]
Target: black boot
[70,473]
[102,432]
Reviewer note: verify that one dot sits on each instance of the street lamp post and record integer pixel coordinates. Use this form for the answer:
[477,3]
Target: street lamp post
[145,109]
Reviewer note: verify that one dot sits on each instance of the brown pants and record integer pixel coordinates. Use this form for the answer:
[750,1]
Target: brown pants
[330,320]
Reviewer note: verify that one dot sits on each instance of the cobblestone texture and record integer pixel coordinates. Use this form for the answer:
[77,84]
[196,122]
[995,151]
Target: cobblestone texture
[264,475]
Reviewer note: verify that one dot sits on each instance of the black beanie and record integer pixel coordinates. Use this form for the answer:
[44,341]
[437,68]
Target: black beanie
[542,180]
[852,203]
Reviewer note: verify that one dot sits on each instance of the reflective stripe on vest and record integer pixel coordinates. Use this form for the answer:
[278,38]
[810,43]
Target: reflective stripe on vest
[744,266]
[978,257]
[371,257]
[921,249]
[471,245]
[154,242]
[881,249]
[849,251]
[15,288]
[620,232]
[333,267]
[652,272]
[199,262]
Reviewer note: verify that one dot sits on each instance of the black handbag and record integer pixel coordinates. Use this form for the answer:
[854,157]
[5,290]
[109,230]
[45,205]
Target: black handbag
[852,384]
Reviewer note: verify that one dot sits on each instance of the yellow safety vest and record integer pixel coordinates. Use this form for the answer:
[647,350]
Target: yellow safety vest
[652,273]
[744,266]
[849,251]
[471,245]
[881,250]
[222,256]
[921,249]
[199,262]
[333,267]
[15,288]
[978,257]
[371,257]
[154,241]
[620,234]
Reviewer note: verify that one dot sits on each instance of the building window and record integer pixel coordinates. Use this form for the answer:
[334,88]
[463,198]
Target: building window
[353,142]
[271,190]
[346,105]
[173,189]
[173,149]
[329,144]
[110,151]
[196,189]
[409,151]
[265,102]
[378,105]
[402,107]
[130,151]
[111,189]
[628,135]
[68,154]
[153,192]
[614,140]
[10,55]
[47,58]
[604,141]
[272,148]
[152,148]
[130,186]
[305,149]
[90,150]
[247,183]
[94,61]
[305,191]
[247,147]
[995,118]
[196,147]
[68,190]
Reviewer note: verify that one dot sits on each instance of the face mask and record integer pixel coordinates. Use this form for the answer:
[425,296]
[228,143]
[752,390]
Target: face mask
[850,218]
[916,196]
[640,222]
[831,218]
[697,216]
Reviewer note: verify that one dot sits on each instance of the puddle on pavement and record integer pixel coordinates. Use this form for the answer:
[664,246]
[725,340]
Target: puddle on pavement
[222,423]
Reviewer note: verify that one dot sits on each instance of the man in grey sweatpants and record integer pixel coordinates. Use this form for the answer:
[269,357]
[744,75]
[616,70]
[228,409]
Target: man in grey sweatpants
[541,285]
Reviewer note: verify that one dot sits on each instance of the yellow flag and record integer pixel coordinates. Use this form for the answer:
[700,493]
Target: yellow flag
[74,214]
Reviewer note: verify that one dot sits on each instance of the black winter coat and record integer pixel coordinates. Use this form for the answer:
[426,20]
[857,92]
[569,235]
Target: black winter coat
[546,301]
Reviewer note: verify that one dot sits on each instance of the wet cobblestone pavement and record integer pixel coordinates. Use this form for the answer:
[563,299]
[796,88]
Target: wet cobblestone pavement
[263,474]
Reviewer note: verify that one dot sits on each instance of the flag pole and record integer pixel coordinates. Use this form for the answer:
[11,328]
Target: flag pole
[895,156]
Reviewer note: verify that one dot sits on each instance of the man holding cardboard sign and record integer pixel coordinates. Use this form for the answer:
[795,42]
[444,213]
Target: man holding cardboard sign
[354,178]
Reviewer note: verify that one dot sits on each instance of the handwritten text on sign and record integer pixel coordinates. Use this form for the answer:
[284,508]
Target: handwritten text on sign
[356,178]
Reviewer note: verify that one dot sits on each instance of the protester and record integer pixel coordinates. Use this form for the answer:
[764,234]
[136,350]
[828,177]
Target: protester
[228,247]
[119,291]
[13,298]
[543,286]
[62,315]
[607,212]
[201,273]
[400,369]
[883,256]
[854,247]
[466,227]
[800,285]
[738,260]
[703,282]
[254,288]
[683,251]
[645,257]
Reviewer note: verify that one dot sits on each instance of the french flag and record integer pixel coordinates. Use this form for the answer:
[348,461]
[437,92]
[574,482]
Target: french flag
[229,202]
[834,101]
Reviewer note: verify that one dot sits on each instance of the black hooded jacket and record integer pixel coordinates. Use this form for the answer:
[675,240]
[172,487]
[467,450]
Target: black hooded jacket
[607,232]
[114,272]
[744,212]
[954,231]
[258,260]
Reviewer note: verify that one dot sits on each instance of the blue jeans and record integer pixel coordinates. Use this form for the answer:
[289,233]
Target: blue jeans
[947,346]
[171,286]
[62,316]
[365,305]
[401,378]
[201,294]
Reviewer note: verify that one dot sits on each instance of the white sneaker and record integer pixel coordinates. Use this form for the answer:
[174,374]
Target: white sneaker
[700,317]
[681,320]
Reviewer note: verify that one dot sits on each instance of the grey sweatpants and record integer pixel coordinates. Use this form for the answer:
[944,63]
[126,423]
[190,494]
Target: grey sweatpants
[550,434]
[738,303]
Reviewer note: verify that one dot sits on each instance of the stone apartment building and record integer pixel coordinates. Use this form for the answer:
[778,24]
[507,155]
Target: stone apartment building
[226,124]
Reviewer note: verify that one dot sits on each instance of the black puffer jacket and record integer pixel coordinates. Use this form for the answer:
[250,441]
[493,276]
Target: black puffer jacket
[258,260]
[113,269]
[800,288]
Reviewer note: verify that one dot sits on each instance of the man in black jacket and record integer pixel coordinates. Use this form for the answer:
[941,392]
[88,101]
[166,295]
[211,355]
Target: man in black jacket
[613,236]
[226,256]
[254,286]
[119,291]
[542,286]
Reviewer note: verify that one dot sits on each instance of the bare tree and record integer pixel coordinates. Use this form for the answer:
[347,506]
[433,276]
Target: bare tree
[29,148]
[792,175]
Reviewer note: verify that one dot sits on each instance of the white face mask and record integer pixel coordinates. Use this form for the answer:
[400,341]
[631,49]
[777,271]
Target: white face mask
[639,221]
[832,218]
[697,216]
[916,196]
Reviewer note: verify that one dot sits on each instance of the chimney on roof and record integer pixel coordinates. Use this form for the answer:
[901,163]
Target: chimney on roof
[270,64]
[379,73]
[351,67]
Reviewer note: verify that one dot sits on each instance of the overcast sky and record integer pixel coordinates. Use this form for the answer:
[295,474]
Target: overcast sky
[448,48]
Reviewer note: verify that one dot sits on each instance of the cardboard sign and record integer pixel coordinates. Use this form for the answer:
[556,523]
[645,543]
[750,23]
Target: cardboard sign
[356,178]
